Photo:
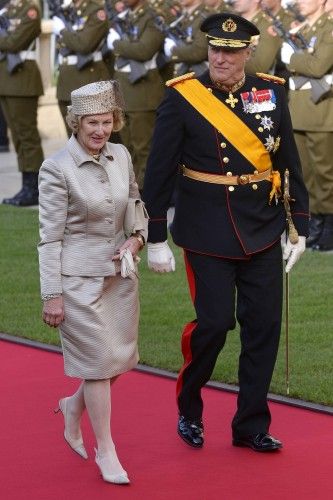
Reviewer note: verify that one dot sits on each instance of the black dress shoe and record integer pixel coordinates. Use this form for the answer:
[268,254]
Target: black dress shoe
[191,431]
[258,442]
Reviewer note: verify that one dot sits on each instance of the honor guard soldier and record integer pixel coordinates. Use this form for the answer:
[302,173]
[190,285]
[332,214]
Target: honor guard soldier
[135,41]
[329,8]
[20,88]
[216,6]
[188,49]
[311,108]
[81,28]
[266,48]
[226,140]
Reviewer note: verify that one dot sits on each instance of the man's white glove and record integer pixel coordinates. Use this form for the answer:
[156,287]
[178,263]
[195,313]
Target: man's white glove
[160,257]
[57,25]
[291,252]
[112,37]
[286,52]
[169,44]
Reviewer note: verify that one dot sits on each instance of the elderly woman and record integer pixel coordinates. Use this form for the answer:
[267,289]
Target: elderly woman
[92,225]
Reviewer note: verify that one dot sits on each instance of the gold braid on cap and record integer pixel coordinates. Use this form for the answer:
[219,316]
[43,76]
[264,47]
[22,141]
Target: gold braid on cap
[227,42]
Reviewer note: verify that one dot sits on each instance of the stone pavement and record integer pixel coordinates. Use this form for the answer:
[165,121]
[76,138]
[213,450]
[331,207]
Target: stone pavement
[53,134]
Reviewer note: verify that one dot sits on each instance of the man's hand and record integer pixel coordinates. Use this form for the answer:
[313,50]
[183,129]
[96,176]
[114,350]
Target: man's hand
[291,252]
[53,311]
[286,52]
[160,257]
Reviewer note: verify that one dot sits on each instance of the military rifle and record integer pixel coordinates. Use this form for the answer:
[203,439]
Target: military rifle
[181,37]
[69,16]
[127,31]
[319,86]
[14,61]
[292,8]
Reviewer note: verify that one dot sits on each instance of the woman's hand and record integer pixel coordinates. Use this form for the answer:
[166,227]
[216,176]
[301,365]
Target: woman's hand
[53,311]
[133,244]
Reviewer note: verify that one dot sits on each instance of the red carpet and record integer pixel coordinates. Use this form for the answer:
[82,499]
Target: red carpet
[36,464]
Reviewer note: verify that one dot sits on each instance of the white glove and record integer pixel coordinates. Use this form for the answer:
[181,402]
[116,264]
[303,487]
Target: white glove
[169,44]
[286,52]
[112,37]
[291,252]
[58,25]
[127,266]
[160,257]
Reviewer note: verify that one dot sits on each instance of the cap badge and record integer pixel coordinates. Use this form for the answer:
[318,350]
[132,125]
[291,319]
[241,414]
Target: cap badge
[229,25]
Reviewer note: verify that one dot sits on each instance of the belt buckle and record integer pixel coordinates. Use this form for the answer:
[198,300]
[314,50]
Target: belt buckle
[243,179]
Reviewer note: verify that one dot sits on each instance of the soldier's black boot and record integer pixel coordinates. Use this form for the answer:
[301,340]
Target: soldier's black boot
[28,194]
[325,242]
[316,227]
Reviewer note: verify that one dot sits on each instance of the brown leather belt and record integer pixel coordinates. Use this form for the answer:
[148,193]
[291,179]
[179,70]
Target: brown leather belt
[229,180]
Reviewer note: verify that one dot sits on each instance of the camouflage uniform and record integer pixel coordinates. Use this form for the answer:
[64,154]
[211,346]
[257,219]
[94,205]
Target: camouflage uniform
[87,38]
[19,92]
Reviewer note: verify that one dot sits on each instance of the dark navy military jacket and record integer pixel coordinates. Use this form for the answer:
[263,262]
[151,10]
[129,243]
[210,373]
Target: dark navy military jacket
[214,219]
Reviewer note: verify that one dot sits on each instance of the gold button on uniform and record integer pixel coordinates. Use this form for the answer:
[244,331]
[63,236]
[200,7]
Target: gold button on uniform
[223,145]
[229,173]
[225,159]
[254,187]
[260,129]
[258,117]
[231,188]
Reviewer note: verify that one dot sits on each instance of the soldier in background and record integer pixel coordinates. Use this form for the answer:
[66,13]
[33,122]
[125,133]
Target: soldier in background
[85,37]
[135,41]
[216,6]
[266,48]
[329,8]
[20,88]
[311,108]
[190,52]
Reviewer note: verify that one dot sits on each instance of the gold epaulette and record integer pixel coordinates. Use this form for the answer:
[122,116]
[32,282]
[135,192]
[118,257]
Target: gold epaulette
[174,81]
[271,78]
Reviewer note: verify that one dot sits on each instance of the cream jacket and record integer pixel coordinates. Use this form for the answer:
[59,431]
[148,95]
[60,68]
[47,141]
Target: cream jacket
[82,209]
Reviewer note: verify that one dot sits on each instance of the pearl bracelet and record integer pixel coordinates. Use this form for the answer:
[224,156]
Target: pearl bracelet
[49,296]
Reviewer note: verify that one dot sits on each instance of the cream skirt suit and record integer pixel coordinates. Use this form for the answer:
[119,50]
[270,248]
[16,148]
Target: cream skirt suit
[83,207]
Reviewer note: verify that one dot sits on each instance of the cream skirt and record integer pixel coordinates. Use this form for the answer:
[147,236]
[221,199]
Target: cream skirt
[100,330]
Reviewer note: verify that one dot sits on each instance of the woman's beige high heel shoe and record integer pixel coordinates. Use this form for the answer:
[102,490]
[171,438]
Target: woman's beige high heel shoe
[76,444]
[104,466]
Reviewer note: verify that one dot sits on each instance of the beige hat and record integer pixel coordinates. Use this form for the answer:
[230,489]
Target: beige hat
[97,98]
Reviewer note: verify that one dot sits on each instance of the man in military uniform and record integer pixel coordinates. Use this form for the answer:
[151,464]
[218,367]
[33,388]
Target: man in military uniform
[216,6]
[81,43]
[226,139]
[20,87]
[266,48]
[189,52]
[311,108]
[136,40]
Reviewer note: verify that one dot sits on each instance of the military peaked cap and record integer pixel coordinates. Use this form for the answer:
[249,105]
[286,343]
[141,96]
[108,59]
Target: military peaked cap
[228,31]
